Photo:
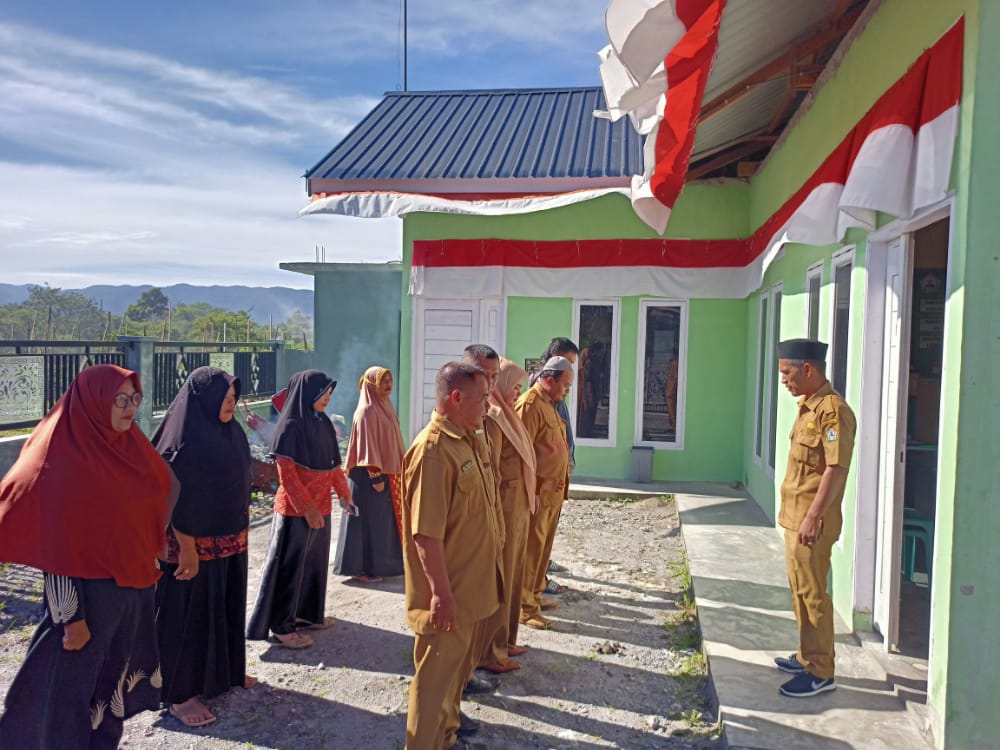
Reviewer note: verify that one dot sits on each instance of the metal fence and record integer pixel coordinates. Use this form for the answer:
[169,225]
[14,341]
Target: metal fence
[254,364]
[35,374]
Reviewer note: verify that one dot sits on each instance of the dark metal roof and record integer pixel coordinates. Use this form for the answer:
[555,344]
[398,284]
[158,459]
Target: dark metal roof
[483,136]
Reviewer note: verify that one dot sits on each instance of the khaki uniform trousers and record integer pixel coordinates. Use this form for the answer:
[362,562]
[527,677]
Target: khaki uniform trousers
[443,663]
[541,535]
[501,628]
[808,569]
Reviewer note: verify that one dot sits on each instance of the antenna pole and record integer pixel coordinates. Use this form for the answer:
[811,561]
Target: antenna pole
[404,45]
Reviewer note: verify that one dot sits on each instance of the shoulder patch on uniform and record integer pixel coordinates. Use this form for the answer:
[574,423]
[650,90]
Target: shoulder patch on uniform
[831,435]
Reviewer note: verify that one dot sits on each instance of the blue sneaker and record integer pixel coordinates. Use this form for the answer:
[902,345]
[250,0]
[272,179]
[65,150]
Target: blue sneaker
[804,685]
[792,665]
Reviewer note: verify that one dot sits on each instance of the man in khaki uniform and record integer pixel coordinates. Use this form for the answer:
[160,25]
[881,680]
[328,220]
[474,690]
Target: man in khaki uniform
[547,433]
[451,546]
[822,443]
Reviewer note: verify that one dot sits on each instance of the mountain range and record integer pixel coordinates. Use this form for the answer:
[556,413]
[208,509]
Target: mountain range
[263,301]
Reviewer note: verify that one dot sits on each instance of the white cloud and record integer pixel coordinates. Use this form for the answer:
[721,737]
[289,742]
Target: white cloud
[117,165]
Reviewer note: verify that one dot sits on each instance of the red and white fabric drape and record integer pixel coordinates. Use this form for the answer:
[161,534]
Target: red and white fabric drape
[654,70]
[897,159]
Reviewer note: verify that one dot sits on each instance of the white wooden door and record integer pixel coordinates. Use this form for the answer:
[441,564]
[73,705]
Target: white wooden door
[892,458]
[442,328]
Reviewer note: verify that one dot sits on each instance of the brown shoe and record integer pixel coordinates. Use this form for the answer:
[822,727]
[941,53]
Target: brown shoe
[537,622]
[547,604]
[515,650]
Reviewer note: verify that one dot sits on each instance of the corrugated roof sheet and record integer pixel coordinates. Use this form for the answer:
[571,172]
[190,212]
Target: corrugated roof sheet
[470,135]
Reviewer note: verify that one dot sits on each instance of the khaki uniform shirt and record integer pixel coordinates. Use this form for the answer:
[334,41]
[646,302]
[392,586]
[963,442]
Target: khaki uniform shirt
[449,493]
[823,435]
[507,462]
[489,452]
[547,433]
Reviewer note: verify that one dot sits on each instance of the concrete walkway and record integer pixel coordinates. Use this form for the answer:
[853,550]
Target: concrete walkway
[741,590]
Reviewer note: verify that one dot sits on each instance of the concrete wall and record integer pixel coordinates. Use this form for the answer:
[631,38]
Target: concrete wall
[356,326]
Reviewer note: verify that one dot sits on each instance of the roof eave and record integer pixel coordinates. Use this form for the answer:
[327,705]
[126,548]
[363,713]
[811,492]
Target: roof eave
[497,186]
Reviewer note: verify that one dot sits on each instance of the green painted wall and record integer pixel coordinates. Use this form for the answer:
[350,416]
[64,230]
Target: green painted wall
[963,680]
[964,651]
[353,331]
[708,211]
[712,446]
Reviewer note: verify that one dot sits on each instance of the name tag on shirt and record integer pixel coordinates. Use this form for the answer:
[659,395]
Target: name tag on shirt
[467,466]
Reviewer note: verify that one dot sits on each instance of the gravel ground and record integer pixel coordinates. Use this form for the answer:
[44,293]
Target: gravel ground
[622,667]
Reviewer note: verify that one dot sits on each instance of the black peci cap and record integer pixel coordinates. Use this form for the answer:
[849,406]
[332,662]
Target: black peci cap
[802,349]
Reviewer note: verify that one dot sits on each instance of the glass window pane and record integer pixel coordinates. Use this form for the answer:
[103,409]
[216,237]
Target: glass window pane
[841,325]
[593,387]
[762,370]
[772,361]
[661,368]
[813,330]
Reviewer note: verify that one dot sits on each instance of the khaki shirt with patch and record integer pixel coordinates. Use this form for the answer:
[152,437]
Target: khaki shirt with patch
[547,433]
[823,435]
[449,493]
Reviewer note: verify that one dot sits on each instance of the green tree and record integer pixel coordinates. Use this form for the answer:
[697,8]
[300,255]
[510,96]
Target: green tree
[50,313]
[151,305]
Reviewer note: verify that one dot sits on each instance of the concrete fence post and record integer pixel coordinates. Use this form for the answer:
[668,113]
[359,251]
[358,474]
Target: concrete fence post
[139,357]
[282,369]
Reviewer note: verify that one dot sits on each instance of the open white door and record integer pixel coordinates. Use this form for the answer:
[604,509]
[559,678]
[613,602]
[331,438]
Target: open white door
[892,451]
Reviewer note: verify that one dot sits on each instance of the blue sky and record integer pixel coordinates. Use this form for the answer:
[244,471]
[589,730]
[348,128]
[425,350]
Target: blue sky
[164,142]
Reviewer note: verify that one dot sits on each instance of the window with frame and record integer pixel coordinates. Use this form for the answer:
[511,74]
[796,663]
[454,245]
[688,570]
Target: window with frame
[762,372]
[814,283]
[662,341]
[769,331]
[842,268]
[595,391]
[772,422]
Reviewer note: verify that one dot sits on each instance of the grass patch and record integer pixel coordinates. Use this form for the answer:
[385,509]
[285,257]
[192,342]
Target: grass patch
[18,431]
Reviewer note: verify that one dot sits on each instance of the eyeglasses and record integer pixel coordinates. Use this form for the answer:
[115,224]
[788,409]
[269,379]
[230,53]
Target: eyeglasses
[122,399]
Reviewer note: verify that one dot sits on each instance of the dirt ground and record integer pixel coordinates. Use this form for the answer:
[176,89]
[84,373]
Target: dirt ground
[622,667]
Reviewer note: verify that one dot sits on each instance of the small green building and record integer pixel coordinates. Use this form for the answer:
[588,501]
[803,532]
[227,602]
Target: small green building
[517,228]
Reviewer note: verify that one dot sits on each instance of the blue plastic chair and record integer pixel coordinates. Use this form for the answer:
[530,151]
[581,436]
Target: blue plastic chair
[917,528]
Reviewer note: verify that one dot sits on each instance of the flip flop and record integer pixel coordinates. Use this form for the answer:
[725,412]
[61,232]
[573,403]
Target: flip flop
[328,622]
[367,579]
[515,650]
[293,640]
[190,722]
[551,587]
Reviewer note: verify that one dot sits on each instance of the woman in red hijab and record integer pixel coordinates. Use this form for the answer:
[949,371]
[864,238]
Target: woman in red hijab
[369,547]
[86,502]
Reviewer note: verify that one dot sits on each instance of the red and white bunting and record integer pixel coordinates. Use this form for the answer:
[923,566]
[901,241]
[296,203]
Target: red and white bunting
[897,160]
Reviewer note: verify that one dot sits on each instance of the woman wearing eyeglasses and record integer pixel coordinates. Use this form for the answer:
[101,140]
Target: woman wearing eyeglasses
[86,502]
[292,594]
[202,597]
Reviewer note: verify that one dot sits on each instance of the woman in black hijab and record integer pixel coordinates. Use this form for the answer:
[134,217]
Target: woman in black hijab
[292,594]
[201,599]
